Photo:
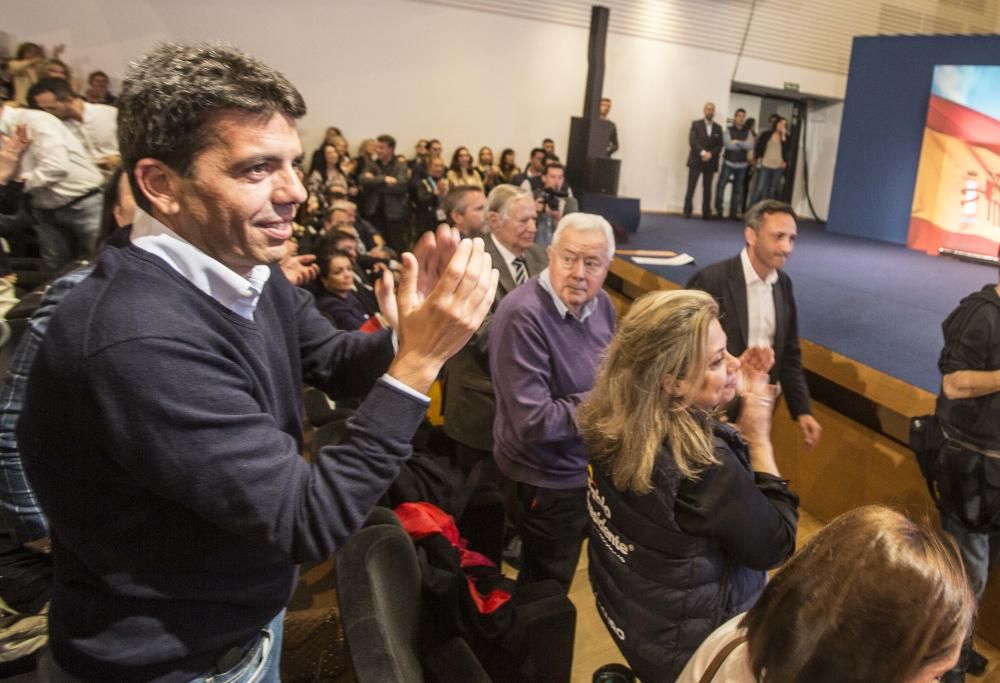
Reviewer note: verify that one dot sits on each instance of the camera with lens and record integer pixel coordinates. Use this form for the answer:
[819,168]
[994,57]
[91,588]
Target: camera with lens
[550,197]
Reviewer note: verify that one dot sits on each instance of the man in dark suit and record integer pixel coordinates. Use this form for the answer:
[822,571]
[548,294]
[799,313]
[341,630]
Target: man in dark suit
[757,305]
[705,140]
[384,200]
[469,401]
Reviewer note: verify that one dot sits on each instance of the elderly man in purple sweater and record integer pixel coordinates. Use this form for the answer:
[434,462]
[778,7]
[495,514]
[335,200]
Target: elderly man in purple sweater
[547,339]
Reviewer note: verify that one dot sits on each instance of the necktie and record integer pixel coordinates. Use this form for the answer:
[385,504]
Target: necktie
[520,270]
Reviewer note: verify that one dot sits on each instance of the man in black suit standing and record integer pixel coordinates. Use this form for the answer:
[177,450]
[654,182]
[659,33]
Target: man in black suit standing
[469,401]
[757,305]
[705,140]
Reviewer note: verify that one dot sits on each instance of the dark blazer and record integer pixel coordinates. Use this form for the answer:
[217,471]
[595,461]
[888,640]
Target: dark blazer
[377,191]
[699,139]
[761,146]
[469,401]
[725,282]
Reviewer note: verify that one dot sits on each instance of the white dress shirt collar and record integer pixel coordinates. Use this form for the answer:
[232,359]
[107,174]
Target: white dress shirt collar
[545,281]
[750,274]
[237,293]
[508,256]
[761,316]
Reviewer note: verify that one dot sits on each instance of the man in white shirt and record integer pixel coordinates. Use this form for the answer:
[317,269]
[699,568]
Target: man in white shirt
[64,185]
[758,306]
[94,125]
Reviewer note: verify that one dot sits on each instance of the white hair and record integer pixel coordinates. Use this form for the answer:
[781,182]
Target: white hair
[582,222]
[502,196]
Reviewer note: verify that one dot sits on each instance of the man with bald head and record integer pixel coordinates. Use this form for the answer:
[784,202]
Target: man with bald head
[469,404]
[705,142]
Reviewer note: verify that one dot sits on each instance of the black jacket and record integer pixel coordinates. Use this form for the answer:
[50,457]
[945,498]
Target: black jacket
[699,139]
[726,283]
[670,566]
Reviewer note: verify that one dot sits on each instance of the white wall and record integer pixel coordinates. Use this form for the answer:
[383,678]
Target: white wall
[417,70]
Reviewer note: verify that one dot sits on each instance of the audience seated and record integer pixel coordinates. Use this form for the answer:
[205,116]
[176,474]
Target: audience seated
[672,488]
[486,169]
[461,171]
[873,596]
[507,169]
[427,192]
[328,182]
[98,90]
[336,296]
[332,132]
[535,167]
[549,145]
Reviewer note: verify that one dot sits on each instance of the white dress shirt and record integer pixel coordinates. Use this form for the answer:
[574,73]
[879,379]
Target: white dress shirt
[760,304]
[508,257]
[98,131]
[55,168]
[237,293]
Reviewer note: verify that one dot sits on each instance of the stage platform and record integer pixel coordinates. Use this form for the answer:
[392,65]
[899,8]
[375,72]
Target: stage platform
[870,317]
[877,303]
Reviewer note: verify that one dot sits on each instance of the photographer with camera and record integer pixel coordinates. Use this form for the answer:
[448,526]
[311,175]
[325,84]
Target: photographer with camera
[967,461]
[552,201]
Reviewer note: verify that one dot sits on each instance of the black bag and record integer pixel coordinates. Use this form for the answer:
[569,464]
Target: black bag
[964,481]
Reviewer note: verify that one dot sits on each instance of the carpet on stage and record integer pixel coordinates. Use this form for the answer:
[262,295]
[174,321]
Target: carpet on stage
[878,303]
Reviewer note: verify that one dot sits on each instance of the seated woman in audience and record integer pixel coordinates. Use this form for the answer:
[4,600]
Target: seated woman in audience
[336,296]
[317,156]
[874,596]
[686,513]
[507,168]
[486,169]
[461,171]
[328,181]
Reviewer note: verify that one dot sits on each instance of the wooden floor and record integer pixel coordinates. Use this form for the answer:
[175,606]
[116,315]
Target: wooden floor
[594,646]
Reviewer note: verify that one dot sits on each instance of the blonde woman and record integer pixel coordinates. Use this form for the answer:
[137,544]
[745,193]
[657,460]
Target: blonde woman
[686,513]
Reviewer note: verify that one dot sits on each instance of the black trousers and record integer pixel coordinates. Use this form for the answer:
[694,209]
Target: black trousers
[551,523]
[706,171]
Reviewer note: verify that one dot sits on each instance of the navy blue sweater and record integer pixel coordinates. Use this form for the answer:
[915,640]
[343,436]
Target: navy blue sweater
[163,435]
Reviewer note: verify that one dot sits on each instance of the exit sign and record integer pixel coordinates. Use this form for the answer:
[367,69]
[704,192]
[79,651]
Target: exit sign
[791,86]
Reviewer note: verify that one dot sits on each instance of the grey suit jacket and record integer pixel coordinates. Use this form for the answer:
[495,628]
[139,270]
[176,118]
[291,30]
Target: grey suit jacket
[469,402]
[726,283]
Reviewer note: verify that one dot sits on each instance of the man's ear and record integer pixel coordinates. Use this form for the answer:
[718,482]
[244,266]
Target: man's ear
[160,184]
[749,235]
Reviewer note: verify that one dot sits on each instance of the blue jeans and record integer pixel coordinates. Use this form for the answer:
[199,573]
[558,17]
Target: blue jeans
[261,663]
[768,182]
[980,554]
[736,176]
[68,233]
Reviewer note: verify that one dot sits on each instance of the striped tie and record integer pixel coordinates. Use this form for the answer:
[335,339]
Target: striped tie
[520,270]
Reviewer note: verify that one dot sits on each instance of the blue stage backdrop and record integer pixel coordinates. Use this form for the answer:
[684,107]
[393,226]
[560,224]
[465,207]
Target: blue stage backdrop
[888,88]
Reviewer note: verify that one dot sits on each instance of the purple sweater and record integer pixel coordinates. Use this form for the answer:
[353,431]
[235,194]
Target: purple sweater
[542,365]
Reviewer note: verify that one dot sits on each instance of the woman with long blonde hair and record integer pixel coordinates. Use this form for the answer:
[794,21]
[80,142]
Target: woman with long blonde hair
[686,513]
